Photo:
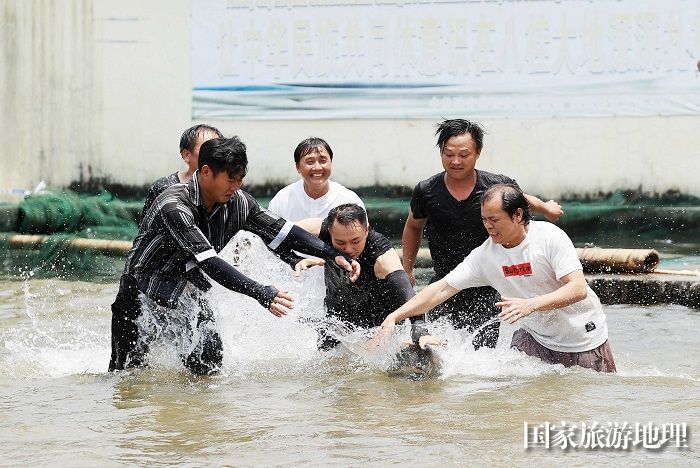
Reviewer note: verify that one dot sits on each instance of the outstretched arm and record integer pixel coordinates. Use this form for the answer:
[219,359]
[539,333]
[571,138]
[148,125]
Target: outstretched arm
[288,256]
[550,210]
[429,297]
[388,267]
[227,276]
[300,240]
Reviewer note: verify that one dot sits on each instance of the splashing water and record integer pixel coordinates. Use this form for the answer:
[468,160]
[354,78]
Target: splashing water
[67,332]
[256,342]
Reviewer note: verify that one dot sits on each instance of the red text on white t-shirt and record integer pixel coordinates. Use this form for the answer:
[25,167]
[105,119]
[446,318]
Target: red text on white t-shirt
[522,269]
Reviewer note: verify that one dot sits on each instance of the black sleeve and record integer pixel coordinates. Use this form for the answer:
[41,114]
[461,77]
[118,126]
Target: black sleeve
[417,204]
[230,278]
[287,256]
[401,286]
[418,328]
[504,179]
[300,240]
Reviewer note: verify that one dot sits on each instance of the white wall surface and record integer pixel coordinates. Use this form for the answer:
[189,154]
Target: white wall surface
[102,89]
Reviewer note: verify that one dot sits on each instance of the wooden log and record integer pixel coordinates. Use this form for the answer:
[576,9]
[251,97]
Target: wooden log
[593,259]
[596,259]
[106,247]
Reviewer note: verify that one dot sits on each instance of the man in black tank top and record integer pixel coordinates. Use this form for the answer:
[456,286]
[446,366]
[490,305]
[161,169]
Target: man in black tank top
[382,286]
[446,207]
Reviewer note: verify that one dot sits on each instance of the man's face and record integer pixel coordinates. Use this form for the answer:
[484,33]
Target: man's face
[503,229]
[192,157]
[219,188]
[459,156]
[350,239]
[315,167]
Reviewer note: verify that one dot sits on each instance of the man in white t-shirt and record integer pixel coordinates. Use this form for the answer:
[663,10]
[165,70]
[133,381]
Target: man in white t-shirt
[534,267]
[314,195]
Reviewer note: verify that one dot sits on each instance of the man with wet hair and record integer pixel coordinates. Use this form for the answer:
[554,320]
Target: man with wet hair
[179,239]
[446,207]
[190,143]
[534,267]
[315,194]
[383,285]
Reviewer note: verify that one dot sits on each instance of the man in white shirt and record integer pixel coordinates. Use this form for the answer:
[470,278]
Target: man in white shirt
[314,195]
[534,267]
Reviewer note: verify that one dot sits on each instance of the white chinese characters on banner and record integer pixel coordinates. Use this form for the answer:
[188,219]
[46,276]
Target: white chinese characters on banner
[350,59]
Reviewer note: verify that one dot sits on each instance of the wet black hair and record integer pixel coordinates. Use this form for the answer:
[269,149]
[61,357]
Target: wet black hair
[188,140]
[310,145]
[347,214]
[224,154]
[512,198]
[455,127]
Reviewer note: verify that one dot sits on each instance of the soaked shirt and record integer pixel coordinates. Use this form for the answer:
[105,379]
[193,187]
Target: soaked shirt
[177,232]
[453,227]
[157,188]
[367,301]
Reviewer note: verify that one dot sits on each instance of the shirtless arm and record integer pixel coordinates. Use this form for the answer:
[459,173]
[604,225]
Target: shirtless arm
[311,225]
[388,266]
[550,210]
[412,235]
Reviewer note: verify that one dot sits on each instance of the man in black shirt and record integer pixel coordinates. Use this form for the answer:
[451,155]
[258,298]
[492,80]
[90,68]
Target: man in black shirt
[383,285]
[190,143]
[447,207]
[178,240]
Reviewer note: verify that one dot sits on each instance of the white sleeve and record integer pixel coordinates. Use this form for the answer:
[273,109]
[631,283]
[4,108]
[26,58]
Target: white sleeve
[359,201]
[468,273]
[346,195]
[562,253]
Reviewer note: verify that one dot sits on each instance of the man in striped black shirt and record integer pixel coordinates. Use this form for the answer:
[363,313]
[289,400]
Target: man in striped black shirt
[190,143]
[178,240]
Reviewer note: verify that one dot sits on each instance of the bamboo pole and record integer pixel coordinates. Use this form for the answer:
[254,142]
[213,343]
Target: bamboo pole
[593,259]
[678,272]
[115,248]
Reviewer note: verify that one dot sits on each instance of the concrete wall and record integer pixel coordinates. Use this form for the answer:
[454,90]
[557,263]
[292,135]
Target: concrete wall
[96,89]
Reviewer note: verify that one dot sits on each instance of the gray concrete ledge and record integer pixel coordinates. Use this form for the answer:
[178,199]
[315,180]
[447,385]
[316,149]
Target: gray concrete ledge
[647,289]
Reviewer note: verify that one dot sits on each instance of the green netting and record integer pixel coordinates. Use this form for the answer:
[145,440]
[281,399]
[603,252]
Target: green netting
[63,211]
[54,259]
[616,221]
[62,215]
[47,213]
